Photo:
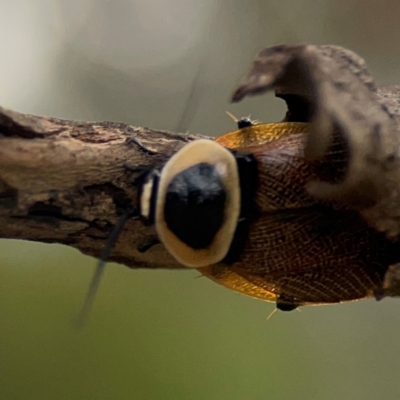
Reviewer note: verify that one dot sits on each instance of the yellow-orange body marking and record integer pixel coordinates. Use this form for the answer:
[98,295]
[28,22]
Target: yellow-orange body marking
[259,134]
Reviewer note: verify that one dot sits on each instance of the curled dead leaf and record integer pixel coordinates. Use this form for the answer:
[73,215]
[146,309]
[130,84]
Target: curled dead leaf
[331,88]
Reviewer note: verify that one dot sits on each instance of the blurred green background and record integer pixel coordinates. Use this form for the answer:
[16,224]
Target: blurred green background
[171,64]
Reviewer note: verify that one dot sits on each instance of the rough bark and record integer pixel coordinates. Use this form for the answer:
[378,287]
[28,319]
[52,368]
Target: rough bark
[65,182]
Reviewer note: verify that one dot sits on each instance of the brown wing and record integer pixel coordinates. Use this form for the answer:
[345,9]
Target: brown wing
[226,276]
[301,249]
[315,256]
[310,257]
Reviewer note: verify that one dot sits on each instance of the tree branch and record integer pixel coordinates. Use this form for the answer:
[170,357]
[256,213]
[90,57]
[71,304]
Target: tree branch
[65,182]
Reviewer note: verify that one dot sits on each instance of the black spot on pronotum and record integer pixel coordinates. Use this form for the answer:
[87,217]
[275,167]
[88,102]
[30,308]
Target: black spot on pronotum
[195,205]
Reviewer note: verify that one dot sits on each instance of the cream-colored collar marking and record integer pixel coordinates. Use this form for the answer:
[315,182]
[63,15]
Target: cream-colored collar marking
[210,152]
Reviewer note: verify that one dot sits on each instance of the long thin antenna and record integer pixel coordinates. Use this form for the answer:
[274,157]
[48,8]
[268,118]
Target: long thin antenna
[232,116]
[94,284]
[190,108]
[272,313]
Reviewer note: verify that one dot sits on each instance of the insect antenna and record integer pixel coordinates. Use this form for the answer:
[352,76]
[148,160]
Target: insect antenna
[232,116]
[95,282]
[196,89]
[272,313]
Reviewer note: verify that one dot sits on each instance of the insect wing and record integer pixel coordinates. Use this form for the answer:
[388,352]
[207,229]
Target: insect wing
[259,134]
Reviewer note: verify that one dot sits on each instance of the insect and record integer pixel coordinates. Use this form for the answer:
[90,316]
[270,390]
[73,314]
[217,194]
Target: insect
[238,210]
[301,251]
